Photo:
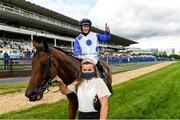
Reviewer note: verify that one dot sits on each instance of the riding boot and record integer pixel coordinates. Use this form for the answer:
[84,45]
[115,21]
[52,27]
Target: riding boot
[101,70]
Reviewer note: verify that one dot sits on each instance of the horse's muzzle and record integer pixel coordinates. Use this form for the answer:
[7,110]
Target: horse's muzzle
[33,96]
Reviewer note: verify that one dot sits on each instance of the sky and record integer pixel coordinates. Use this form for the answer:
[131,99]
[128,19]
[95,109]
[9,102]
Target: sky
[152,23]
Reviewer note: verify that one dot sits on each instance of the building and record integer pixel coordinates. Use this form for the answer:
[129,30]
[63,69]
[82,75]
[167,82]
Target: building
[154,51]
[22,22]
[169,51]
[139,51]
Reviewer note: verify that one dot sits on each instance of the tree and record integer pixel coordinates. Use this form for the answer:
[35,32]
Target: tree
[175,56]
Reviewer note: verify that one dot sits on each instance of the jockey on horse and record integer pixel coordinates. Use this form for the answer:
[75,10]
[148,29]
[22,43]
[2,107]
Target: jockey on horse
[86,44]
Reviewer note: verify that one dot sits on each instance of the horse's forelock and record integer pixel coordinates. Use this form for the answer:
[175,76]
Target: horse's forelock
[41,49]
[45,46]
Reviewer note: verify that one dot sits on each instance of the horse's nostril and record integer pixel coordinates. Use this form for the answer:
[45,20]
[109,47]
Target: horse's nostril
[27,94]
[33,96]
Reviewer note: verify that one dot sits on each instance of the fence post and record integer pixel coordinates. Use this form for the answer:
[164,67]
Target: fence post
[10,71]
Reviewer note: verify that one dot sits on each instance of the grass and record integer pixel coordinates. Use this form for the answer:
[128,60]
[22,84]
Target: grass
[21,67]
[155,95]
[124,64]
[6,89]
[16,67]
[129,64]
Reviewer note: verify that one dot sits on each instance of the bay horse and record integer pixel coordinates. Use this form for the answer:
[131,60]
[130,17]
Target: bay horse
[47,62]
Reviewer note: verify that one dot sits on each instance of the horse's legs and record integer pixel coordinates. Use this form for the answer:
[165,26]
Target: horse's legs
[73,105]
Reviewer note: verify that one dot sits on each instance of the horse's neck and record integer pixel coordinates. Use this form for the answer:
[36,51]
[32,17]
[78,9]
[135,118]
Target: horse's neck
[68,67]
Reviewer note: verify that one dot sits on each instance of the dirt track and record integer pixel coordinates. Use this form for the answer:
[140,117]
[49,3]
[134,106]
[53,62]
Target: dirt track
[18,101]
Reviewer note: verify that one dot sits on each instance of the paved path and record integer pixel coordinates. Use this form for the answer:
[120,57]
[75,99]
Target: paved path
[18,101]
[17,80]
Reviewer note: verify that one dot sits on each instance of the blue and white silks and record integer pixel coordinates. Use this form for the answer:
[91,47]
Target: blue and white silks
[87,47]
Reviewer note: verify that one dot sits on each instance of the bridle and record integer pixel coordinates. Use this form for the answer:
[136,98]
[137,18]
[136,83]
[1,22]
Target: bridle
[49,79]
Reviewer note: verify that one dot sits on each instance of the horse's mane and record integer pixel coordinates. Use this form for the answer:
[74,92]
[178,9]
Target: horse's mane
[67,53]
[71,54]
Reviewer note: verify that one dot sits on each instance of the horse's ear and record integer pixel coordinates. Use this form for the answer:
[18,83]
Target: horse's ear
[45,45]
[35,45]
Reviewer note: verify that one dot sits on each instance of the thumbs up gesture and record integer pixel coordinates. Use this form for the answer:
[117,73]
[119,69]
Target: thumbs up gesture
[107,29]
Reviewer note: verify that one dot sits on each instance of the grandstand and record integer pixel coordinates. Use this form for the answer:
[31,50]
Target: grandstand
[22,21]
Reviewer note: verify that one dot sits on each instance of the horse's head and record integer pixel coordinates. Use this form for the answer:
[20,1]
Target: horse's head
[43,70]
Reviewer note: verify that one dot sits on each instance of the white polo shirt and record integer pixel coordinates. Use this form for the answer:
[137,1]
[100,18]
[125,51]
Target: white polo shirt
[87,91]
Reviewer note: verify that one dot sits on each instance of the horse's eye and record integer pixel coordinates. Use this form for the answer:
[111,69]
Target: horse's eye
[43,66]
[45,69]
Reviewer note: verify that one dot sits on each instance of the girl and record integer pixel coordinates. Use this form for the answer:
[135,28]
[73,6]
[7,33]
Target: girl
[90,87]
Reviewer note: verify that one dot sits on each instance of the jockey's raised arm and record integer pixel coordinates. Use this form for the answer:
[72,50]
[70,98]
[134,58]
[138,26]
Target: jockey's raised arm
[106,36]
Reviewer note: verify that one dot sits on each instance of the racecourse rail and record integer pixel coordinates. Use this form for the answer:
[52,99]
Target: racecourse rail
[15,67]
[21,67]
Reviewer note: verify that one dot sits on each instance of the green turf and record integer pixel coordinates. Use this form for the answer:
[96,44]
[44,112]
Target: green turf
[55,110]
[16,67]
[124,64]
[12,88]
[155,95]
[6,89]
[129,64]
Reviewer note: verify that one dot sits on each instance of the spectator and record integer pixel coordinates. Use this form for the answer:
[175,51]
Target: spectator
[6,61]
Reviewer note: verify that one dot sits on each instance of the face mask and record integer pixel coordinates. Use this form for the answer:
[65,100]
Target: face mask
[88,75]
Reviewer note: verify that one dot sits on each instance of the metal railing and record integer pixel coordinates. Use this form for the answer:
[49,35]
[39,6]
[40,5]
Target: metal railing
[15,67]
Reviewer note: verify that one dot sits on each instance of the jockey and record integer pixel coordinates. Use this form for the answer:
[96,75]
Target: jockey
[86,44]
